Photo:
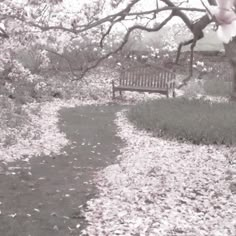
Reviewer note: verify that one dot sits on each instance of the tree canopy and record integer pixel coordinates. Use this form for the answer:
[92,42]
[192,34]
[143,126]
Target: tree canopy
[54,25]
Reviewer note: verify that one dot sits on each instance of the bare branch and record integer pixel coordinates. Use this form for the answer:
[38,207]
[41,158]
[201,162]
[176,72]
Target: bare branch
[179,13]
[117,17]
[125,40]
[64,57]
[3,33]
[197,30]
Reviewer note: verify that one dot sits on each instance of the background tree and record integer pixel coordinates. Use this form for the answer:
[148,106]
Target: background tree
[55,27]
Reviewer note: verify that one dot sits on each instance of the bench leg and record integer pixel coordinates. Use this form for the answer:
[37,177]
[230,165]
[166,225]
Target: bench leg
[113,90]
[120,93]
[174,94]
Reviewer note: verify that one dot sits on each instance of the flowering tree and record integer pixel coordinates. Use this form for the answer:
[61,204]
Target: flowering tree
[55,25]
[223,13]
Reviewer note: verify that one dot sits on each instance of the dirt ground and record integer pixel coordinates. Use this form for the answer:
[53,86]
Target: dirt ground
[45,196]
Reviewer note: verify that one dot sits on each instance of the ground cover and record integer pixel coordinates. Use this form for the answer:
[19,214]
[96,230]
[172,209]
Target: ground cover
[164,188]
[217,87]
[45,195]
[147,192]
[196,120]
[31,129]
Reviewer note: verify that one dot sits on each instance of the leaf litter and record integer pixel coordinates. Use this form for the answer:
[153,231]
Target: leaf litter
[159,187]
[163,188]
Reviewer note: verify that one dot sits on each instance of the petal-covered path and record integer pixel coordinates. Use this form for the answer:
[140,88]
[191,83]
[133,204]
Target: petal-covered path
[45,196]
[164,188]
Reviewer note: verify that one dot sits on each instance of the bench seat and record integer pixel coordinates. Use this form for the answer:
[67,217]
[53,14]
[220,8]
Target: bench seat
[141,89]
[148,79]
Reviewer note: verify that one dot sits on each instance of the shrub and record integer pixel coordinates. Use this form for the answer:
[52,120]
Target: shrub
[194,88]
[197,121]
[13,119]
[218,87]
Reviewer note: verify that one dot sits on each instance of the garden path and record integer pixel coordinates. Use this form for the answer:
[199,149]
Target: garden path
[46,195]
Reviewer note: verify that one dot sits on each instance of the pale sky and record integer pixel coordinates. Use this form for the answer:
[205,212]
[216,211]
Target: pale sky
[144,5]
[147,3]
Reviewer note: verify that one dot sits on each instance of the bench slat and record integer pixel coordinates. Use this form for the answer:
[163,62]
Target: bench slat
[165,81]
[131,79]
[137,79]
[128,79]
[149,81]
[156,80]
[146,79]
[153,80]
[170,81]
[161,82]
[141,75]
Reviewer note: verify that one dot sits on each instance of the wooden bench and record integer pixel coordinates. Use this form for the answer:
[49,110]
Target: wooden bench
[145,79]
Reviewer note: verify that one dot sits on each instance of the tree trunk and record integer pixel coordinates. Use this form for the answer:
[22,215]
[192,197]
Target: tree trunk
[230,50]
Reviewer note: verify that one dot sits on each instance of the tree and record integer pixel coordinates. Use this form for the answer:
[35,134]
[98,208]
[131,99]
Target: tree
[49,23]
[223,13]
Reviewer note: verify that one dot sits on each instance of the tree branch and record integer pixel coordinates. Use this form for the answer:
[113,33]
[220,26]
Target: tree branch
[3,33]
[179,13]
[125,40]
[117,17]
[65,58]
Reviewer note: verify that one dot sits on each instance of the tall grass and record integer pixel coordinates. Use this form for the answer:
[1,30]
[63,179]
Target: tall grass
[197,121]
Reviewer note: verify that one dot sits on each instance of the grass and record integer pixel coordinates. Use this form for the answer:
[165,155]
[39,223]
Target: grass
[197,121]
[218,87]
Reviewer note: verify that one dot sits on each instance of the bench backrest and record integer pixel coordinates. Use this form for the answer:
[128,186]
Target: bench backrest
[148,77]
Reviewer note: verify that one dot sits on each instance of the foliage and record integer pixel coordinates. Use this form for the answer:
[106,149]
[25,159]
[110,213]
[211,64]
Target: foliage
[13,118]
[95,86]
[217,87]
[21,121]
[91,32]
[197,121]
[194,89]
[56,25]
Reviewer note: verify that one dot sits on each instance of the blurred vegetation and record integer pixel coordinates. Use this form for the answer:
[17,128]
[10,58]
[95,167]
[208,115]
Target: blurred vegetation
[217,87]
[197,121]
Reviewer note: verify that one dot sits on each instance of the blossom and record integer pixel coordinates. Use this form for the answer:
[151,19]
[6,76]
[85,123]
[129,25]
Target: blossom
[225,16]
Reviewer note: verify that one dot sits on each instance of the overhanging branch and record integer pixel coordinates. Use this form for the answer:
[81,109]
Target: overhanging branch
[3,33]
[125,40]
[117,17]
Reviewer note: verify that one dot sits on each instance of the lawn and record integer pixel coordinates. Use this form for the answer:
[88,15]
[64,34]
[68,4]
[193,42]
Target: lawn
[194,120]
